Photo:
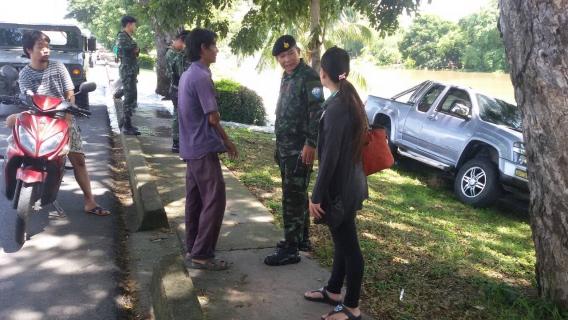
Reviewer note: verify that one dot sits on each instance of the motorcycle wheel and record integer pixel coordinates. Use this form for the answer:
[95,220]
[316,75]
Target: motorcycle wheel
[24,210]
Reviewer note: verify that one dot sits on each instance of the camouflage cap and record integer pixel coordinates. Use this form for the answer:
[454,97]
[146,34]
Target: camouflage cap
[283,44]
[182,35]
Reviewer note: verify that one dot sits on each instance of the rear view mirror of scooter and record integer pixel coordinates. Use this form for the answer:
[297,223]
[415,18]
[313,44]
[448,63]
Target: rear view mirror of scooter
[10,73]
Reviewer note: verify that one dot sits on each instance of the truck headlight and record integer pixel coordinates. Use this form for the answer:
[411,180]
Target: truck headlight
[519,153]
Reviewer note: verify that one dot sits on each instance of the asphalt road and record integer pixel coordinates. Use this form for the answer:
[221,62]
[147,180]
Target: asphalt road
[67,269]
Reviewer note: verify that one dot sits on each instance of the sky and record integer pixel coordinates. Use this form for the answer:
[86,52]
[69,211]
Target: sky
[40,11]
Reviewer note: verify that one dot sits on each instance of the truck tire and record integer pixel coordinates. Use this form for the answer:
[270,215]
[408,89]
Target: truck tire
[82,100]
[477,183]
[24,211]
[393,148]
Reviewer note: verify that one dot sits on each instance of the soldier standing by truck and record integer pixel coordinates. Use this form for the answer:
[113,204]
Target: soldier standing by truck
[298,112]
[128,52]
[176,63]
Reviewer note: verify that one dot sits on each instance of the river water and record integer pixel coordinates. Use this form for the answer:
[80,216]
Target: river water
[382,81]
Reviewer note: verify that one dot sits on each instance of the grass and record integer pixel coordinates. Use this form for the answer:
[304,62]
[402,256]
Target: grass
[453,261]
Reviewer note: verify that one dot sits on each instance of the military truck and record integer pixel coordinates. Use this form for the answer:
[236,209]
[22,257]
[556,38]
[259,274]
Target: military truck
[68,46]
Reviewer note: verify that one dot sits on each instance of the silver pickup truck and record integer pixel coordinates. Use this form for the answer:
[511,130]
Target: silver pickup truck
[475,137]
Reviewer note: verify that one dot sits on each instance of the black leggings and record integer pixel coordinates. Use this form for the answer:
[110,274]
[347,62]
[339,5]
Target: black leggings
[348,263]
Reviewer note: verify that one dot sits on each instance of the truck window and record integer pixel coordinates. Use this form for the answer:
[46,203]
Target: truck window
[453,97]
[430,97]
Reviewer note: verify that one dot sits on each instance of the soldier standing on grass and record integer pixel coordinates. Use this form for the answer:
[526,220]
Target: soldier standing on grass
[297,119]
[128,52]
[176,64]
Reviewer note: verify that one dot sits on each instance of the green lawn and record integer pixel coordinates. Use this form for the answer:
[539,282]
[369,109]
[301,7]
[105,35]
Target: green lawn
[453,261]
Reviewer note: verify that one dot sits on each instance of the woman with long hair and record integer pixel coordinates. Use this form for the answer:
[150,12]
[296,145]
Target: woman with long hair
[341,185]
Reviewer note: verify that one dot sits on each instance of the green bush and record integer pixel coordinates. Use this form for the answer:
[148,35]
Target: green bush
[239,104]
[146,62]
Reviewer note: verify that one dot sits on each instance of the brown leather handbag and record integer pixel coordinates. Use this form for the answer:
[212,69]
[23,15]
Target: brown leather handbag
[376,153]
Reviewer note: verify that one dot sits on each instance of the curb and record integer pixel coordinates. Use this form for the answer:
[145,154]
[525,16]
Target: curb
[173,294]
[151,212]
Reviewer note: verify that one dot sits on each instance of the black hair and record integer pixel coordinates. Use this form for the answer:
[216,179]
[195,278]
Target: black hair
[182,35]
[195,39]
[126,20]
[335,63]
[30,38]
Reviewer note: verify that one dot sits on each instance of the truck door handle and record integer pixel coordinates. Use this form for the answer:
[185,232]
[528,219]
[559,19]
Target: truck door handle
[433,117]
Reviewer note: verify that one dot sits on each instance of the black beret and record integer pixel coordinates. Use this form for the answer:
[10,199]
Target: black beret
[127,19]
[284,43]
[182,35]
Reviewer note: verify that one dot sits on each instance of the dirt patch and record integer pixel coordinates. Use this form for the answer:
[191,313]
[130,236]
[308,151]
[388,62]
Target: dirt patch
[119,173]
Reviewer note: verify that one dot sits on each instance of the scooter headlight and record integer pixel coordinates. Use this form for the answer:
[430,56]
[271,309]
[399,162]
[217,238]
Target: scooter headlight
[49,145]
[26,140]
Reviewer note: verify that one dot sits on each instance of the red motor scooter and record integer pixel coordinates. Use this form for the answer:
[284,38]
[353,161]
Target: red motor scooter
[34,163]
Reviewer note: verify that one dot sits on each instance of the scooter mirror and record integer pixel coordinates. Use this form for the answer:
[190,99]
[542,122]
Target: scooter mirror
[88,87]
[10,73]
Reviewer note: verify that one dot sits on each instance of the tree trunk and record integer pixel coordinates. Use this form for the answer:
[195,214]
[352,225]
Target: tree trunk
[315,41]
[162,40]
[535,34]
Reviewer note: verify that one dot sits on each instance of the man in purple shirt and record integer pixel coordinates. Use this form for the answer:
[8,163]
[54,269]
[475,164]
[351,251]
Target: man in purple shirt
[202,138]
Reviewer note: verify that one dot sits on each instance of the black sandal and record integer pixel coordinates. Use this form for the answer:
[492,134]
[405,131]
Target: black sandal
[324,299]
[341,309]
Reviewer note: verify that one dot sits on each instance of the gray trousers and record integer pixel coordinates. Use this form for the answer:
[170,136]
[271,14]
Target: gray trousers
[204,205]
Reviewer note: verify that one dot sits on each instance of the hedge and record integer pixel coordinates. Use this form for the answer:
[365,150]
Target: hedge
[239,104]
[146,62]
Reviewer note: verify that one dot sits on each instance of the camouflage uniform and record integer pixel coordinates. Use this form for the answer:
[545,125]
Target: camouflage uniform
[128,70]
[298,112]
[176,64]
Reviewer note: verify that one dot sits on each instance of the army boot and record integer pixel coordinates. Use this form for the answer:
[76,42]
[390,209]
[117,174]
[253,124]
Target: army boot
[175,146]
[128,129]
[121,124]
[288,254]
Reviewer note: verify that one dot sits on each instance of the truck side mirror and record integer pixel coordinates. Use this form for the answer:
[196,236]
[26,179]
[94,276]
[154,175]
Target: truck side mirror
[9,72]
[461,110]
[92,44]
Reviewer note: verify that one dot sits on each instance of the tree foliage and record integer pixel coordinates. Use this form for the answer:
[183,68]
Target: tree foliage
[431,43]
[484,50]
[268,19]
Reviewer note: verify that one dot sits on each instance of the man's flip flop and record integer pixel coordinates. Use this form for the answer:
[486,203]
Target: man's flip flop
[98,211]
[324,299]
[213,265]
[341,309]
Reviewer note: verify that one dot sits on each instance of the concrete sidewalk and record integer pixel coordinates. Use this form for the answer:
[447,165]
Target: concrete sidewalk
[249,289]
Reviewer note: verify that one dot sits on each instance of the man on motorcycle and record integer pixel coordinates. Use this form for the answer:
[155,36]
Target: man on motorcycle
[50,78]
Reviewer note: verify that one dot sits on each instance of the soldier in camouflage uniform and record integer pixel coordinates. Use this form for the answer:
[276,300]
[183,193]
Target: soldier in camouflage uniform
[128,52]
[297,119]
[176,64]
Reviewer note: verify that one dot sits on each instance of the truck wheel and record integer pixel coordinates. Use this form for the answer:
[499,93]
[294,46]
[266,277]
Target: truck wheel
[82,100]
[24,210]
[392,147]
[477,183]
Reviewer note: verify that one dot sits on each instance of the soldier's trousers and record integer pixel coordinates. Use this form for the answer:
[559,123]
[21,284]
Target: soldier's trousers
[295,211]
[175,123]
[130,94]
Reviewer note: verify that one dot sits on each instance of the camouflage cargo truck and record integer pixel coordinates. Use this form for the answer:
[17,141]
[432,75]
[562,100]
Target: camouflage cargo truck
[68,46]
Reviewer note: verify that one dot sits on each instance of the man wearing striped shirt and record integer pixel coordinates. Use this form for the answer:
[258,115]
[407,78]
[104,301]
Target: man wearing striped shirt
[50,78]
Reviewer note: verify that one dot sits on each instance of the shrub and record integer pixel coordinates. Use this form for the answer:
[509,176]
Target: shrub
[240,104]
[146,62]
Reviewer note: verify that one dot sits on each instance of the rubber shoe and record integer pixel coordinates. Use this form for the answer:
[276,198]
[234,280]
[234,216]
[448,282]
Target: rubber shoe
[281,258]
[305,245]
[175,146]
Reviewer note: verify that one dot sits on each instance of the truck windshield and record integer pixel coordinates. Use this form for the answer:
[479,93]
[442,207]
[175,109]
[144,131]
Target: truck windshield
[499,112]
[60,40]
